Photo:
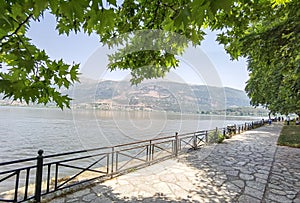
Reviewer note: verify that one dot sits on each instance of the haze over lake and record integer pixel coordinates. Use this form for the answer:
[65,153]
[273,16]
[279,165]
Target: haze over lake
[25,130]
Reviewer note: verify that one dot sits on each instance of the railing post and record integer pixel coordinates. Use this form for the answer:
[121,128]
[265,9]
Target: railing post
[147,152]
[17,185]
[112,162]
[195,141]
[206,136]
[39,176]
[150,151]
[176,144]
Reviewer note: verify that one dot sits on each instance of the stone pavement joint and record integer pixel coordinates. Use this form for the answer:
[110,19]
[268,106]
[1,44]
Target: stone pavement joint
[249,167]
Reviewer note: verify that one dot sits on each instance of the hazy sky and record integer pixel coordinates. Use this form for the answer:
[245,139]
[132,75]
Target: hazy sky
[83,49]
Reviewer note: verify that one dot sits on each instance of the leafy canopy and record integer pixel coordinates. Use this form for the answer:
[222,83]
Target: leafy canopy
[269,37]
[34,77]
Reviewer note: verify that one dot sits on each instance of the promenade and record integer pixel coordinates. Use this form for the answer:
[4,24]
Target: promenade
[249,167]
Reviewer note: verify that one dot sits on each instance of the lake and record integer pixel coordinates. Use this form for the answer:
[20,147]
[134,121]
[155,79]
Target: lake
[25,130]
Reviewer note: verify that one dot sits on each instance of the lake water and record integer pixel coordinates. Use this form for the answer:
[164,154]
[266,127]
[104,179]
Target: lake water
[23,131]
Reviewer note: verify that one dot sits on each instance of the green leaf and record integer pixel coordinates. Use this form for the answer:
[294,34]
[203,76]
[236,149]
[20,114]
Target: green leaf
[54,5]
[112,2]
[39,6]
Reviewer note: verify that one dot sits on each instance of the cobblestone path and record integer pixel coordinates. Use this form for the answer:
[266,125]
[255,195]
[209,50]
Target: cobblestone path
[249,167]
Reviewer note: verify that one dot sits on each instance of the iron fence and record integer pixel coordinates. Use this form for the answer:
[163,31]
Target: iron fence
[47,174]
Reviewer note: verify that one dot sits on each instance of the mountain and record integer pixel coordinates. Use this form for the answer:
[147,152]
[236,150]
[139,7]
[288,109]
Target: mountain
[158,95]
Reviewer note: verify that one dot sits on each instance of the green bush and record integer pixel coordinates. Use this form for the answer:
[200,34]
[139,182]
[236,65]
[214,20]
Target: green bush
[215,137]
[221,137]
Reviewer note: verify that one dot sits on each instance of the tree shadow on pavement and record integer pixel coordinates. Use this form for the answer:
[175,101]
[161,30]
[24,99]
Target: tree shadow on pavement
[234,171]
[108,195]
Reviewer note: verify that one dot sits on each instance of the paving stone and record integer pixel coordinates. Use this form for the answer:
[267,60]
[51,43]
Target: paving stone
[73,200]
[263,181]
[291,196]
[211,174]
[241,163]
[101,200]
[238,183]
[232,173]
[296,201]
[290,192]
[79,193]
[278,198]
[58,200]
[268,201]
[219,182]
[265,172]
[273,186]
[261,176]
[265,168]
[278,192]
[254,192]
[89,197]
[246,176]
[233,188]
[256,185]
[224,168]
[247,171]
[277,177]
[248,199]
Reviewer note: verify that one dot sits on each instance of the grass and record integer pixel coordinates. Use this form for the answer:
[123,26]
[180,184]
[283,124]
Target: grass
[290,136]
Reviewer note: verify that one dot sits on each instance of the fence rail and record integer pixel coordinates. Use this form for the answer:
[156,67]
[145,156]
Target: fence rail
[32,178]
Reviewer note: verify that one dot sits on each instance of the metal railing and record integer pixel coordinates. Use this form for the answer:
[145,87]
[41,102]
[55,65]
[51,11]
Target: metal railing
[35,177]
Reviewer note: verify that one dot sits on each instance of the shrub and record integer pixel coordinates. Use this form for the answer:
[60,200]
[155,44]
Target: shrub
[220,137]
[215,137]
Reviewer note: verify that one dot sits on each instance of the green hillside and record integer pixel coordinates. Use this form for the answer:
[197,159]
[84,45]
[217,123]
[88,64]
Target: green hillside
[160,96]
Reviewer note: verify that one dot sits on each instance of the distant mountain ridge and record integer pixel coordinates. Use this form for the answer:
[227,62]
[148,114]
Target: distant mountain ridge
[157,95]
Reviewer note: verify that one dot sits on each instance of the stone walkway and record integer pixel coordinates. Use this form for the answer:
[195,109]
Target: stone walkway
[246,168]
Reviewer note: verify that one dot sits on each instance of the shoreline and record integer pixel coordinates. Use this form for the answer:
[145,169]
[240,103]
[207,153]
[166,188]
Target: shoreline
[170,113]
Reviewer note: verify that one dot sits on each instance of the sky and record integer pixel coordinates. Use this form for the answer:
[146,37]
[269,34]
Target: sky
[206,64]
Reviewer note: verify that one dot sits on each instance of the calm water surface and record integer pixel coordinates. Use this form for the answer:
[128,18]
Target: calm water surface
[23,131]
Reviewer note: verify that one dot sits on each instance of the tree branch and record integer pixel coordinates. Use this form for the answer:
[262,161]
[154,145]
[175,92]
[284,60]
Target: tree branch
[18,28]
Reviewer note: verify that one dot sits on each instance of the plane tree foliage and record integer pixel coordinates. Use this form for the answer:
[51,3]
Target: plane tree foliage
[32,76]
[269,37]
